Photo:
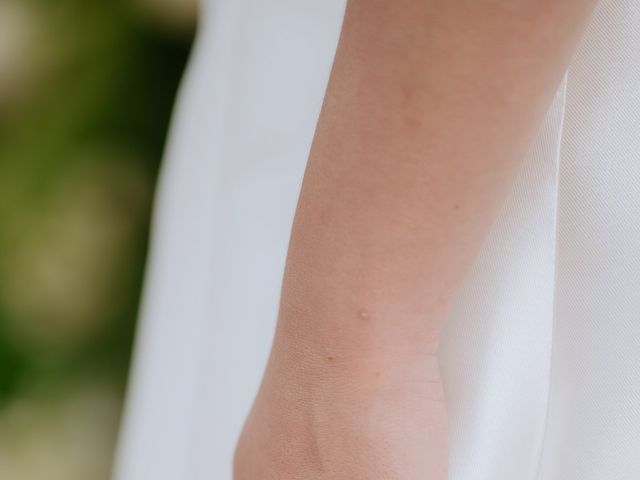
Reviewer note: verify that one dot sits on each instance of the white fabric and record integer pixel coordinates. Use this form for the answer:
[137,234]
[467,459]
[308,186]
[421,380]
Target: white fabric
[541,357]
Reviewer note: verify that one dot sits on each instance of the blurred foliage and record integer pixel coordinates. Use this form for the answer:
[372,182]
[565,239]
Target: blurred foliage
[86,92]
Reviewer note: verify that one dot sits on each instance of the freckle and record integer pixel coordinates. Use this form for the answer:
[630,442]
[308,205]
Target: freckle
[363,314]
[331,358]
[412,122]
[407,94]
[456,206]
[377,374]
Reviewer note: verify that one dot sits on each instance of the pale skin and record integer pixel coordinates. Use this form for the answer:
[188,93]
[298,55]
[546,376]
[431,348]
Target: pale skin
[430,109]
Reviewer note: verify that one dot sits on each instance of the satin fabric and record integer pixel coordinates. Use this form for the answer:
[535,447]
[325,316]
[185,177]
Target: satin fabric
[541,355]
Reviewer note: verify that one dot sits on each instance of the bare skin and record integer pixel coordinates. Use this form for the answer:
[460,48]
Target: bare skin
[429,111]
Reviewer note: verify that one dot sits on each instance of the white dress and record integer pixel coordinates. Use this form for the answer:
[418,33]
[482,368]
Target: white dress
[541,357]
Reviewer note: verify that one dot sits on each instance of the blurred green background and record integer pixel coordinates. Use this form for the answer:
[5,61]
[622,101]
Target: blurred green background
[86,92]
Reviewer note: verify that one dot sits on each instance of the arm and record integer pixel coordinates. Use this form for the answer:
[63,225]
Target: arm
[429,111]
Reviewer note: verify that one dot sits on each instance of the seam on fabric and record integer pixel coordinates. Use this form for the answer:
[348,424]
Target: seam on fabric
[543,437]
[191,469]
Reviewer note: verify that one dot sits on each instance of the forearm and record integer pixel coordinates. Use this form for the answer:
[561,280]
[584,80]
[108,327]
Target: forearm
[428,114]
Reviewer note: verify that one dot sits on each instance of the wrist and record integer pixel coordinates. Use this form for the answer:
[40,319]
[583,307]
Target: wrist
[317,420]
